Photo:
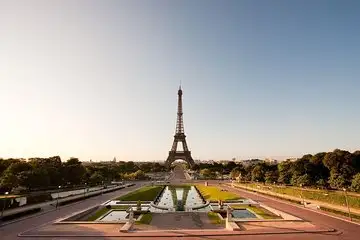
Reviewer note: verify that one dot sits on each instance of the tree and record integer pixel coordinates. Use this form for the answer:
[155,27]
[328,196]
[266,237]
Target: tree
[272,174]
[237,171]
[74,171]
[52,170]
[229,167]
[356,161]
[96,178]
[258,173]
[320,173]
[304,180]
[337,180]
[340,164]
[207,173]
[9,181]
[285,174]
[355,183]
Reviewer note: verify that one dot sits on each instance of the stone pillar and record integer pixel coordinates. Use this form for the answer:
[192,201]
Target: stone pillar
[131,216]
[228,214]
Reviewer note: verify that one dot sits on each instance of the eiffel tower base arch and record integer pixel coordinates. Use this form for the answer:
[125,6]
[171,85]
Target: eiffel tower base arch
[175,155]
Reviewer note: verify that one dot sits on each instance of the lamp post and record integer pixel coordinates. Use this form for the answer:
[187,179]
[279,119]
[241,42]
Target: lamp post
[347,203]
[302,197]
[2,212]
[85,190]
[102,191]
[57,199]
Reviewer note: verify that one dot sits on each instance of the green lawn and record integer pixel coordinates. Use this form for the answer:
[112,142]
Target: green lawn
[147,193]
[215,219]
[333,197]
[354,216]
[104,210]
[214,193]
[145,219]
[266,214]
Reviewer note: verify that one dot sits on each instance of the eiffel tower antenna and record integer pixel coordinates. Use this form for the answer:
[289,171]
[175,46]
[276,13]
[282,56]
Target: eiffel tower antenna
[179,136]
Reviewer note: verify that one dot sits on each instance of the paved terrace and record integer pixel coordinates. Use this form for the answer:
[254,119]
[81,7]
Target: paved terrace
[52,204]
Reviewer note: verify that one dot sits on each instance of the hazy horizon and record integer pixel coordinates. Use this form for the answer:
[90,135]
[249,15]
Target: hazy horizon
[99,79]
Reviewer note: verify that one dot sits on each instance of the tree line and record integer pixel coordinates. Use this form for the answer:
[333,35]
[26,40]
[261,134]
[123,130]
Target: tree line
[337,169]
[49,173]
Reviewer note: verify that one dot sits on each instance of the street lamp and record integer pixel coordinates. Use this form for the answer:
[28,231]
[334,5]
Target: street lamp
[102,191]
[57,199]
[85,190]
[302,197]
[347,203]
[2,212]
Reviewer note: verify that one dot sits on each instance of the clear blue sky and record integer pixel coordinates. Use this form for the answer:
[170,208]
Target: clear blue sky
[98,79]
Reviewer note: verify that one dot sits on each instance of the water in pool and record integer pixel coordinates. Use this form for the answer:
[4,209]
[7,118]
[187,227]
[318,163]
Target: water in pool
[242,213]
[115,216]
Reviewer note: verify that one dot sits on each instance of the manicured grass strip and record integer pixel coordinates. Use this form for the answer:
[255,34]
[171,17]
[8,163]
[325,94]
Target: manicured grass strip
[98,214]
[145,219]
[333,197]
[215,219]
[354,216]
[214,193]
[147,193]
[266,214]
[104,210]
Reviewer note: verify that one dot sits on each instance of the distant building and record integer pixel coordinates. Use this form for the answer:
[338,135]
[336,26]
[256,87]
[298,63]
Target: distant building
[292,159]
[271,161]
[251,162]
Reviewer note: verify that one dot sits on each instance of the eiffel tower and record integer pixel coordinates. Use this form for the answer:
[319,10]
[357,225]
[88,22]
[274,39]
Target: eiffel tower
[179,137]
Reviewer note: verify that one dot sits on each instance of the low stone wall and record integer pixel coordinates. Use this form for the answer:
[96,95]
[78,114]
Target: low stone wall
[202,197]
[158,207]
[78,216]
[202,206]
[159,195]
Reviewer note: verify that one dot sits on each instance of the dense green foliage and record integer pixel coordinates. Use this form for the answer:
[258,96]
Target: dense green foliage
[49,173]
[147,193]
[355,185]
[215,193]
[337,169]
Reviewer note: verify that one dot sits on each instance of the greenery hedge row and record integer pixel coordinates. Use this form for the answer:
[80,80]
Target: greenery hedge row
[333,197]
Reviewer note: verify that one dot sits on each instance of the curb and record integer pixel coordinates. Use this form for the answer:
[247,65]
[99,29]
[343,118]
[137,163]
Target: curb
[180,234]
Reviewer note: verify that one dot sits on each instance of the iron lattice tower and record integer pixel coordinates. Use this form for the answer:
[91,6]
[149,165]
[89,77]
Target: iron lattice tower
[179,137]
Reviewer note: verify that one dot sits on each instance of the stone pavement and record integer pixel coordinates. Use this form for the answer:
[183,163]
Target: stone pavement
[112,230]
[182,220]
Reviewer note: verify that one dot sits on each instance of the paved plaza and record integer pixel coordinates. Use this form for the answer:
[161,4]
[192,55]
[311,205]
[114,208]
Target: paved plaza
[184,225]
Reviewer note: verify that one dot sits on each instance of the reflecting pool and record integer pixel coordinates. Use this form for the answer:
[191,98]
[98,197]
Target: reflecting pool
[243,213]
[115,216]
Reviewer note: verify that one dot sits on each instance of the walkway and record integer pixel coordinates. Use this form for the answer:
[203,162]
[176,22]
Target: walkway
[53,203]
[312,203]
